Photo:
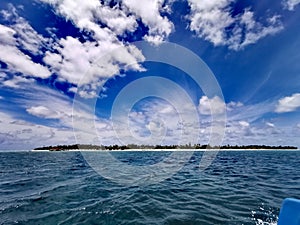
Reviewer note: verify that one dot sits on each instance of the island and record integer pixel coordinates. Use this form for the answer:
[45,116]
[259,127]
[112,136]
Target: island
[149,147]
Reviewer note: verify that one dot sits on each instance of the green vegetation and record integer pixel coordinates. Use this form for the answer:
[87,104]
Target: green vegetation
[134,146]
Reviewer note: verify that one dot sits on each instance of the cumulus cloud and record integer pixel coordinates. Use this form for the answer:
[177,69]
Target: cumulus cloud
[68,57]
[47,104]
[210,18]
[118,19]
[161,120]
[243,124]
[7,35]
[43,112]
[233,105]
[149,12]
[102,57]
[81,13]
[246,124]
[244,133]
[17,61]
[213,106]
[91,63]
[213,21]
[156,118]
[151,120]
[290,4]
[21,35]
[288,104]
[86,14]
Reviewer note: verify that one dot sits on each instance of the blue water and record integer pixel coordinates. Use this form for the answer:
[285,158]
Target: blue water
[239,187]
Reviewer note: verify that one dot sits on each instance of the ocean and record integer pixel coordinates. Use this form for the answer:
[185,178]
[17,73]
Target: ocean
[239,187]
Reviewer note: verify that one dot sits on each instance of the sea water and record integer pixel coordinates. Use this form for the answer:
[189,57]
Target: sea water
[239,187]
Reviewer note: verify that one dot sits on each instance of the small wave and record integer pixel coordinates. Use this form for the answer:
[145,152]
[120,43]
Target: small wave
[260,222]
[265,216]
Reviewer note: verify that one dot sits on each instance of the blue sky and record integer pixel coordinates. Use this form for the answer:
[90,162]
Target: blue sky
[69,68]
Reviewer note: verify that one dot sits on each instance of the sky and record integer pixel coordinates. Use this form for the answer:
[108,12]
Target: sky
[149,72]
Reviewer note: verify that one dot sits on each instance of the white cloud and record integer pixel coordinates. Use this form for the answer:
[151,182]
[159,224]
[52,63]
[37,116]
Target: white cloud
[73,89]
[288,104]
[2,76]
[250,112]
[120,18]
[156,118]
[48,103]
[116,19]
[83,14]
[167,6]
[242,127]
[70,58]
[91,63]
[244,123]
[16,82]
[7,35]
[154,121]
[21,34]
[213,106]
[254,30]
[43,112]
[56,110]
[163,120]
[17,61]
[233,105]
[149,11]
[210,19]
[18,134]
[24,35]
[291,4]
[27,38]
[241,133]
[86,14]
[270,124]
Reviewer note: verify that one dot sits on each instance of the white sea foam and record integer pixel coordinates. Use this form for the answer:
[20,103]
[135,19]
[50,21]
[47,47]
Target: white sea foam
[261,222]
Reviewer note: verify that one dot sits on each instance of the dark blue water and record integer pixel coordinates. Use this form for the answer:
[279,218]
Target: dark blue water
[61,188]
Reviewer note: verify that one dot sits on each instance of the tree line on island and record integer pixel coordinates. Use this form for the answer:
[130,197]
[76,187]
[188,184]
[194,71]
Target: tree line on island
[135,146]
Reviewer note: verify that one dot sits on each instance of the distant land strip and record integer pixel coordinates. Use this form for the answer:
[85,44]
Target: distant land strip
[134,146]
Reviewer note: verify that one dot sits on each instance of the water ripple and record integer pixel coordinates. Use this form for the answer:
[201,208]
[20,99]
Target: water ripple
[61,188]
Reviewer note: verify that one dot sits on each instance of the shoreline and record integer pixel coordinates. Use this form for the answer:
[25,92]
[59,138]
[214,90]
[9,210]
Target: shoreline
[161,150]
